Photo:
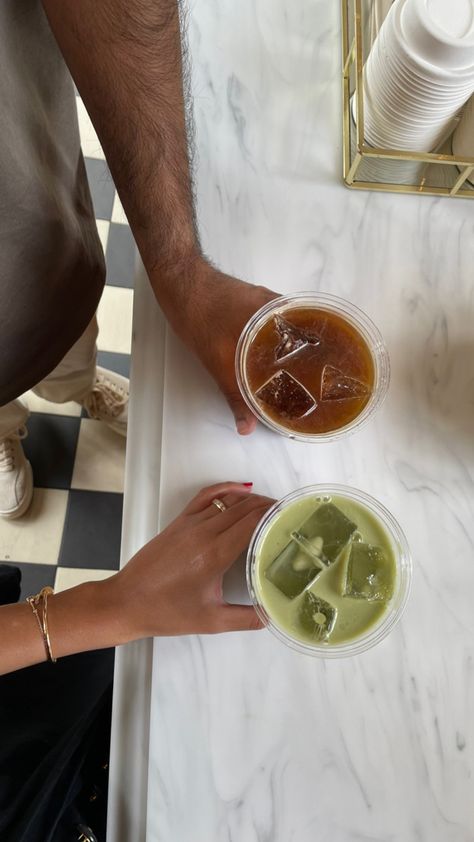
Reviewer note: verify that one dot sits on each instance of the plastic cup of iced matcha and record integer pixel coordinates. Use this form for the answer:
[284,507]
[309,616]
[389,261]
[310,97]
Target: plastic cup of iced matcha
[312,366]
[329,571]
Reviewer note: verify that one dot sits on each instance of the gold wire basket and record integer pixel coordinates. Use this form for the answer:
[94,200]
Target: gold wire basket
[437,173]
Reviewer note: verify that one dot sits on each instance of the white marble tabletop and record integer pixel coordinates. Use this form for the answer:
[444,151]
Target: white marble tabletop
[235,738]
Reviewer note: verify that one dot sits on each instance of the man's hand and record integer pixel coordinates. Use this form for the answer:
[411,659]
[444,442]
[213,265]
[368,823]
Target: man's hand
[208,310]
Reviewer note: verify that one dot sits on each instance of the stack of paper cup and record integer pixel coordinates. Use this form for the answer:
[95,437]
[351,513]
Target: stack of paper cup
[419,73]
[463,137]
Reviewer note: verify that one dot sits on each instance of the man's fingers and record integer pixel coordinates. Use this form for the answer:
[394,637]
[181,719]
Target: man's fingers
[245,421]
[239,618]
[205,496]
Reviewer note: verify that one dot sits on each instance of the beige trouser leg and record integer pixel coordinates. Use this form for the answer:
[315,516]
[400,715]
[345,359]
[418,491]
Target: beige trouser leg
[71,380]
[12,416]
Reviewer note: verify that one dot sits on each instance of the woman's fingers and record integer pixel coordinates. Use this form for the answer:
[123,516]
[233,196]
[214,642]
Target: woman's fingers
[204,498]
[235,540]
[238,618]
[228,500]
[222,521]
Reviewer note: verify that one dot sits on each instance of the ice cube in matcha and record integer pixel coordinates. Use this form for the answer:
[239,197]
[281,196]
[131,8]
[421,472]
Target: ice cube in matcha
[293,569]
[316,616]
[313,549]
[332,526]
[369,574]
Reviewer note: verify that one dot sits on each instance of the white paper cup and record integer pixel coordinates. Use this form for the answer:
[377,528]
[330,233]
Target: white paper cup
[411,83]
[385,170]
[410,102]
[384,128]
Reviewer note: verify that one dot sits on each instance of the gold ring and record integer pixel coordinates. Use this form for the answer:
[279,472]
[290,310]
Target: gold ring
[219,505]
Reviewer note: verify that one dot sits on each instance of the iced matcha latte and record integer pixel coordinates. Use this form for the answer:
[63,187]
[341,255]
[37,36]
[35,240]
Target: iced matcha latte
[328,568]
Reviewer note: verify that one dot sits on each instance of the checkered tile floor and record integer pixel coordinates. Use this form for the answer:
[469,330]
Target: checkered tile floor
[72,532]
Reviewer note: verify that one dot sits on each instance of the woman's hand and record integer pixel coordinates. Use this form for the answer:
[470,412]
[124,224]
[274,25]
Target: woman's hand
[173,585]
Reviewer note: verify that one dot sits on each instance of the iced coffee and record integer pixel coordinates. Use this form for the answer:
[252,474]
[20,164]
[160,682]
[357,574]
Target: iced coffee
[309,367]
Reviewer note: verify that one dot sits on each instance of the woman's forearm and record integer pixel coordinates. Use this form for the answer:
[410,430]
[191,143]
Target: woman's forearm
[172,586]
[79,619]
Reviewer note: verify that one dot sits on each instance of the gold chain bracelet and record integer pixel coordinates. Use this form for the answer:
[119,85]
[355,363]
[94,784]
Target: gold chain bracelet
[41,600]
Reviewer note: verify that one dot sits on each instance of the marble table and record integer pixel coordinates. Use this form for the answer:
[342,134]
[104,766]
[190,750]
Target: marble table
[235,738]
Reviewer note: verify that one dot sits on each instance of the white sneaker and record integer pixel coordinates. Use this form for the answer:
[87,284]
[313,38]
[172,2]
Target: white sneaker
[108,400]
[16,476]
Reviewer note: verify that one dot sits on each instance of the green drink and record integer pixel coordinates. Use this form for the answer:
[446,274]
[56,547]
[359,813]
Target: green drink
[329,570]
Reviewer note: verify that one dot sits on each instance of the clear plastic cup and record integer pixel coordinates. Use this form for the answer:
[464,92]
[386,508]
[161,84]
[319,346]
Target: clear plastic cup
[351,314]
[395,607]
[463,138]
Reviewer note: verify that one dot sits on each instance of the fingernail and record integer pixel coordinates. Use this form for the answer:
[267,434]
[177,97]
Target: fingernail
[242,427]
[248,484]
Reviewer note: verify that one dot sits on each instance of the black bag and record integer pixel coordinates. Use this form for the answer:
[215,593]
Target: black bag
[54,744]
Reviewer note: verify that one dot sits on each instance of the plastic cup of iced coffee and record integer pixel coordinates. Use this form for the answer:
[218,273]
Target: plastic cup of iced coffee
[312,366]
[329,571]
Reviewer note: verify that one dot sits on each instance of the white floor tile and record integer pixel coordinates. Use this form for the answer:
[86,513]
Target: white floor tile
[103,228]
[118,213]
[69,577]
[115,320]
[90,143]
[36,537]
[36,404]
[100,458]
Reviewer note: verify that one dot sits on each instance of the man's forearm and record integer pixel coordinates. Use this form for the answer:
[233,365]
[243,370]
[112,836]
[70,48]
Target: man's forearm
[126,59]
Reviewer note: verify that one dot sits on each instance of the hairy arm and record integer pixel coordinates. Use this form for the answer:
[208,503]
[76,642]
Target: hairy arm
[126,57]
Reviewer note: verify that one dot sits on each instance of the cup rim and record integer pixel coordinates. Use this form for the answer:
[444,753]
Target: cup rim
[397,604]
[348,311]
[397,79]
[410,70]
[394,138]
[395,26]
[412,76]
[434,31]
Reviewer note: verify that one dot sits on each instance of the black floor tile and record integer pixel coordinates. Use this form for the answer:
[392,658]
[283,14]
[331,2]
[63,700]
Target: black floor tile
[101,186]
[115,362]
[91,536]
[120,256]
[34,577]
[51,448]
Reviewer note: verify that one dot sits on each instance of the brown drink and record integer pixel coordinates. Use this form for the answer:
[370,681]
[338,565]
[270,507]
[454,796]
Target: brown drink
[310,369]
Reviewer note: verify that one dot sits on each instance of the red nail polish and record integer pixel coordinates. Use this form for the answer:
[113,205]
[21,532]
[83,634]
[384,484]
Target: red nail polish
[248,484]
